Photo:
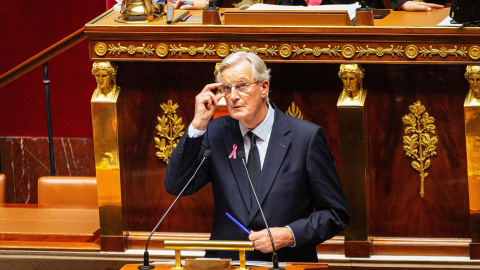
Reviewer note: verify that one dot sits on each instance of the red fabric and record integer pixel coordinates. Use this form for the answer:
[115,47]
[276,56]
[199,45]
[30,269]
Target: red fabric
[26,31]
[110,3]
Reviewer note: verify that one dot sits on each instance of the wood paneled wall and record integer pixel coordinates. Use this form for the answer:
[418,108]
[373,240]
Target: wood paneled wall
[396,209]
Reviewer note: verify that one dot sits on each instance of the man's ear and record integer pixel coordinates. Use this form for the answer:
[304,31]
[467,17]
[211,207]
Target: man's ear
[265,85]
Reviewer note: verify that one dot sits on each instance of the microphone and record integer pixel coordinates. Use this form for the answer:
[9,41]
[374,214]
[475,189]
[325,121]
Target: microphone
[241,155]
[146,264]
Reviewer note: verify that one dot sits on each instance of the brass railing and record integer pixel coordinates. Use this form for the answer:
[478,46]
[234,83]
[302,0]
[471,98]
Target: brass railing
[42,57]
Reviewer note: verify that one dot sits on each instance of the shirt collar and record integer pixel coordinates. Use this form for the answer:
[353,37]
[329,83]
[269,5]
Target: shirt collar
[264,128]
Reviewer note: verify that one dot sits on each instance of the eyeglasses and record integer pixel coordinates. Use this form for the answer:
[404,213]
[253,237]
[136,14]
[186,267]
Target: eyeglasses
[240,87]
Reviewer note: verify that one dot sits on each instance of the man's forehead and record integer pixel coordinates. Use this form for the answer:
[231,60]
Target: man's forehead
[238,71]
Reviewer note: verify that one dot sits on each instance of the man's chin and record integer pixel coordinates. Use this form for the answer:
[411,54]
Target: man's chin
[236,115]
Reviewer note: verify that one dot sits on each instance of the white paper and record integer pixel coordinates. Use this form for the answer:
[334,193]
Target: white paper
[118,5]
[167,262]
[448,22]
[351,8]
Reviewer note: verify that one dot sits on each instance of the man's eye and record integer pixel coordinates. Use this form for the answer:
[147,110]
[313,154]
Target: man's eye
[242,85]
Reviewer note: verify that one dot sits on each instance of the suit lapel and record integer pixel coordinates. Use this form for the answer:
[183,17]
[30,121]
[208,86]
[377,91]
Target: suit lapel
[276,151]
[236,164]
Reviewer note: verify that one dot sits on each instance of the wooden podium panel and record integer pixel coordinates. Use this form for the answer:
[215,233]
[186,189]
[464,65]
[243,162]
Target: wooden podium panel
[406,59]
[290,18]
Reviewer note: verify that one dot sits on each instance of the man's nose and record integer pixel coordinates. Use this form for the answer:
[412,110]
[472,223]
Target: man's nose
[234,93]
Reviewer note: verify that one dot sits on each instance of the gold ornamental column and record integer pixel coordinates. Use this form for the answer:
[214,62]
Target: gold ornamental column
[105,120]
[353,158]
[472,138]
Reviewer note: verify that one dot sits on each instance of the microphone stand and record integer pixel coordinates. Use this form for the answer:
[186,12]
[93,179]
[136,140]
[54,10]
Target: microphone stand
[146,261]
[274,253]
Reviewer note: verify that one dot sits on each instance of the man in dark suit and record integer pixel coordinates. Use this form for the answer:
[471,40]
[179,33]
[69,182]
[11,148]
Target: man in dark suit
[298,186]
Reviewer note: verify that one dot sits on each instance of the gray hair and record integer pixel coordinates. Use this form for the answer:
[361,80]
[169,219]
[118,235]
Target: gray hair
[260,72]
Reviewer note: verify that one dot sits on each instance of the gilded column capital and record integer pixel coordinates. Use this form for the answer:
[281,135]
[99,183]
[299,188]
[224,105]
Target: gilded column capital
[353,93]
[473,77]
[105,74]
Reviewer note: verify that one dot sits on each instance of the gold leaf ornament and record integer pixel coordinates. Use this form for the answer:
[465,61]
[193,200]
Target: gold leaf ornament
[294,111]
[420,145]
[170,129]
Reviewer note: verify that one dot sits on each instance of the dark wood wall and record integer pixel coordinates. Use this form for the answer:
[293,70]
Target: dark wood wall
[396,209]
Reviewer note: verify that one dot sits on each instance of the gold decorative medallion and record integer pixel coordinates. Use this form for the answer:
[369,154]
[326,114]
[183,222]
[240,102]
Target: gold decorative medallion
[443,52]
[419,146]
[170,129]
[131,49]
[161,50]
[411,51]
[100,49]
[294,111]
[222,50]
[474,52]
[285,50]
[348,51]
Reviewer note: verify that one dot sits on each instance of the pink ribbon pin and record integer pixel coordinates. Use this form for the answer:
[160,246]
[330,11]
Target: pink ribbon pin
[234,152]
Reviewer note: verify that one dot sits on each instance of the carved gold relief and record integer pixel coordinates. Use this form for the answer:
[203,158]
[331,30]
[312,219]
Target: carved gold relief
[161,50]
[317,51]
[223,50]
[256,50]
[348,51]
[411,51]
[353,93]
[294,111]
[105,76]
[443,52]
[217,69]
[170,129]
[474,52]
[420,145]
[100,49]
[131,49]
[192,50]
[379,51]
[285,50]
[472,75]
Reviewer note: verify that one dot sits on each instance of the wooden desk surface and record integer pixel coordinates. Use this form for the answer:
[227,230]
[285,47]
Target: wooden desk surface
[394,19]
[415,19]
[25,222]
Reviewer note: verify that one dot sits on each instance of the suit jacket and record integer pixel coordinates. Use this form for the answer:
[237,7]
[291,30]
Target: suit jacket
[298,177]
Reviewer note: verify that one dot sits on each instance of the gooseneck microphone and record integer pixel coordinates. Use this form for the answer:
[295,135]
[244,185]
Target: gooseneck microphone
[241,155]
[146,261]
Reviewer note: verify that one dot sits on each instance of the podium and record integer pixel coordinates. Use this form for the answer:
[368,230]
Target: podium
[407,58]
